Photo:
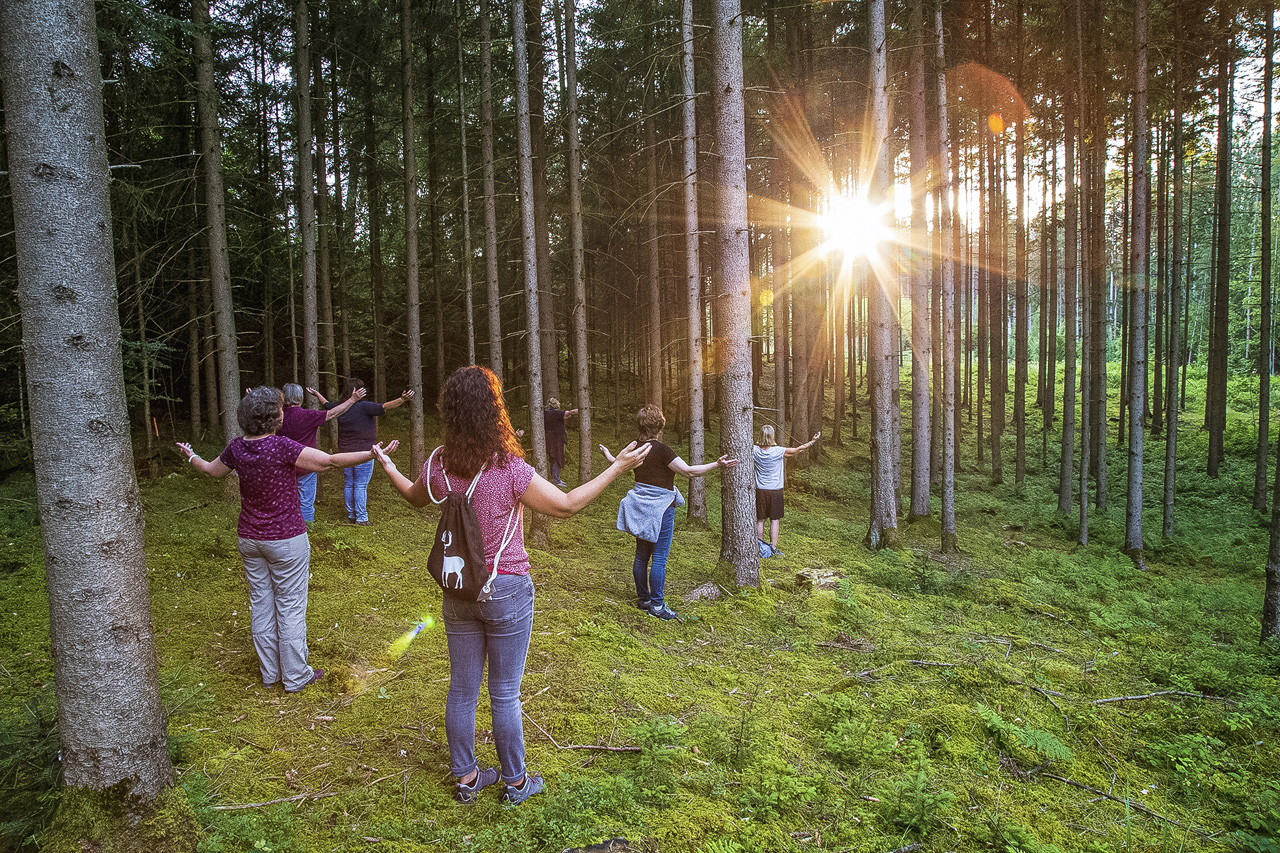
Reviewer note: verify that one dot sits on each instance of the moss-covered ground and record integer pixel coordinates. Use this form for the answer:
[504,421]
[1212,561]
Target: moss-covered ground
[905,698]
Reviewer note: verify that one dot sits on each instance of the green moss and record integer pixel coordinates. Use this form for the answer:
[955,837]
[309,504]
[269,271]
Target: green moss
[114,820]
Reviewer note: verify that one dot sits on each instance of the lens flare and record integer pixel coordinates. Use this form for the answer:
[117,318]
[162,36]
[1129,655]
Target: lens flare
[853,226]
[995,122]
[401,645]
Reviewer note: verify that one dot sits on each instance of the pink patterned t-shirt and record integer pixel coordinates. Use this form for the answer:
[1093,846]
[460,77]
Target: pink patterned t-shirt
[269,505]
[497,493]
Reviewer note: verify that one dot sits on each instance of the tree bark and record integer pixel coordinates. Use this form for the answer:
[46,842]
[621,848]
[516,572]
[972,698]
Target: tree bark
[216,219]
[1264,337]
[468,299]
[883,529]
[110,719]
[581,352]
[733,292]
[1172,407]
[494,294]
[947,285]
[413,316]
[921,331]
[1216,391]
[1140,266]
[697,511]
[306,195]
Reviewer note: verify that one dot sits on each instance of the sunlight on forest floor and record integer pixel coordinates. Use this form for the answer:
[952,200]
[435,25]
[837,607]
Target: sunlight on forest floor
[902,697]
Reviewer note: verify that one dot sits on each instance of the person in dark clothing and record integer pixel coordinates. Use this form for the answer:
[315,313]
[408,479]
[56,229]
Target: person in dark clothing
[648,512]
[301,425]
[358,428]
[553,419]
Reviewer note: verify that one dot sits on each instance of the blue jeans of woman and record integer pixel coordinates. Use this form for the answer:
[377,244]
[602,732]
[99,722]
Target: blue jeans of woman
[355,489]
[498,631]
[307,495]
[651,577]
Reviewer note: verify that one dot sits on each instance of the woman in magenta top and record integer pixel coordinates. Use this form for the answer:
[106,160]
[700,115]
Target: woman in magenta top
[272,536]
[478,433]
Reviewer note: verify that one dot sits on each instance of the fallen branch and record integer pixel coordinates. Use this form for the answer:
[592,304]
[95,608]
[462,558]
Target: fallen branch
[1160,693]
[1127,803]
[588,746]
[929,663]
[297,798]
[910,848]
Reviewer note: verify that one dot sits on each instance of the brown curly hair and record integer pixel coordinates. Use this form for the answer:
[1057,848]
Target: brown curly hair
[477,428]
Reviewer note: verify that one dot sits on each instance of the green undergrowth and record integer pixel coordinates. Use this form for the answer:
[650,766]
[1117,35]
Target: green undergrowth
[904,697]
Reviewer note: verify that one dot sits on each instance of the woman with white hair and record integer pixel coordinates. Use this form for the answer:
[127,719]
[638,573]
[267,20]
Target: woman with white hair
[771,476]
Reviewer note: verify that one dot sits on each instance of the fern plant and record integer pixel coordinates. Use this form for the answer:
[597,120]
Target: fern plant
[1008,735]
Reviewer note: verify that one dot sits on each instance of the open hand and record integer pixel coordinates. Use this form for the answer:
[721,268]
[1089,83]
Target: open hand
[186,448]
[383,454]
[817,435]
[630,456]
[406,394]
[726,462]
[358,394]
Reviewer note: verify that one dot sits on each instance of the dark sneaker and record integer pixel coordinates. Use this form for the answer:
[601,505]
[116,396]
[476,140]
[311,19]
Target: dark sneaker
[485,776]
[364,523]
[778,553]
[515,796]
[645,606]
[316,675]
[662,611]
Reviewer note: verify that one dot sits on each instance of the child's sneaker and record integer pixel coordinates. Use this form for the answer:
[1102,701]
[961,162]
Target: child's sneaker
[515,796]
[485,776]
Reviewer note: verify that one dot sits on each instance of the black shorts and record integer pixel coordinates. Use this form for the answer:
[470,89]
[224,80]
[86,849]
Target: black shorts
[768,504]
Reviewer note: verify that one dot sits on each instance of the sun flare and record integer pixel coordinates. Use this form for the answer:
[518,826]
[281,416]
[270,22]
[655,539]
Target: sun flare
[853,226]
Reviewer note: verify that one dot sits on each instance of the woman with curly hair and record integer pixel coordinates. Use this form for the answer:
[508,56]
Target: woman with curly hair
[479,440]
[272,535]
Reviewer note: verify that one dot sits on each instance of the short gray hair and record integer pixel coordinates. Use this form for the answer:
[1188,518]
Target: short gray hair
[292,394]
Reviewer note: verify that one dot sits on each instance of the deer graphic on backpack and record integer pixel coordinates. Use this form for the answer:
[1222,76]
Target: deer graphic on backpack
[462,574]
[451,570]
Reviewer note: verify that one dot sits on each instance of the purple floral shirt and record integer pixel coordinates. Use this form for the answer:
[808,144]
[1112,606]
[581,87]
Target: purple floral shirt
[269,506]
[498,491]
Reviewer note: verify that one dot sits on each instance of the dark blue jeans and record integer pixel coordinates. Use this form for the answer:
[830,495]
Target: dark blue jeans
[497,630]
[651,578]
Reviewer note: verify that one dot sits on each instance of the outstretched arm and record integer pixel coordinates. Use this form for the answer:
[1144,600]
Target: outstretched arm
[398,401]
[545,498]
[317,460]
[357,394]
[681,467]
[413,491]
[209,468]
[314,393]
[568,413]
[792,451]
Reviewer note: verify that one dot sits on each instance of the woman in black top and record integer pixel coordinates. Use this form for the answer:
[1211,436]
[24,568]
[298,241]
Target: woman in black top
[658,470]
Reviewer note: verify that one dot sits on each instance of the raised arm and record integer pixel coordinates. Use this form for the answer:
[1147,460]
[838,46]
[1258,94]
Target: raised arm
[413,491]
[204,466]
[792,451]
[317,460]
[357,394]
[568,413]
[314,393]
[545,498]
[406,394]
[681,467]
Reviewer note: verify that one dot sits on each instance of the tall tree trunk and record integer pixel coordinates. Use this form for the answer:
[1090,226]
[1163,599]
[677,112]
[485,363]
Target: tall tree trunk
[947,285]
[883,530]
[693,264]
[413,315]
[1021,303]
[921,331]
[1140,266]
[1172,407]
[536,72]
[306,195]
[373,187]
[528,241]
[468,299]
[193,351]
[581,352]
[494,294]
[653,274]
[1066,471]
[1264,338]
[1216,392]
[110,719]
[733,292]
[324,270]
[216,219]
[433,209]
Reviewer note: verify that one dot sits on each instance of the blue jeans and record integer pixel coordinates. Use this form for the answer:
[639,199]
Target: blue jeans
[278,571]
[651,580]
[497,630]
[307,495]
[355,489]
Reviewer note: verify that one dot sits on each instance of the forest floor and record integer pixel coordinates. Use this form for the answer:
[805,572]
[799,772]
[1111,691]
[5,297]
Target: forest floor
[1026,695]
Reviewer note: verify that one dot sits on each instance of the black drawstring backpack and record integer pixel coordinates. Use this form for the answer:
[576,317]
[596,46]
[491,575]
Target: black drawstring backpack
[457,555]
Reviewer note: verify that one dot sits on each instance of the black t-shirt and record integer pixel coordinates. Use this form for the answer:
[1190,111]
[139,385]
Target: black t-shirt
[654,469]
[553,423]
[357,427]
